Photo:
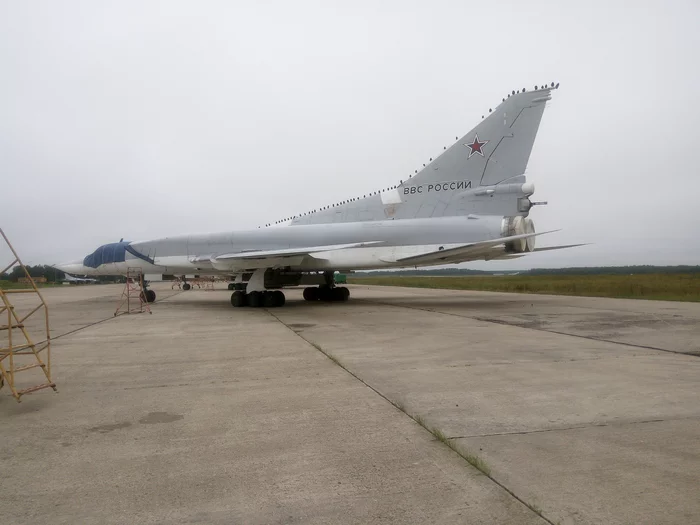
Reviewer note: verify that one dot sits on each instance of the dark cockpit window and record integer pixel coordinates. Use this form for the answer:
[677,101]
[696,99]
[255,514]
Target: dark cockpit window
[109,253]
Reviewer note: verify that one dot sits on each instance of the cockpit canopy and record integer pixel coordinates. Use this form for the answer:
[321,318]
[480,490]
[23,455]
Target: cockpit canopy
[107,253]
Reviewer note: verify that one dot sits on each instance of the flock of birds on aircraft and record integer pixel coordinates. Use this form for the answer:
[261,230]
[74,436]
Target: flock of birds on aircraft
[544,86]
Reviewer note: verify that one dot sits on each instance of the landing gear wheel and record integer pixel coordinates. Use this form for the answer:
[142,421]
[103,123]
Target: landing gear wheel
[269,300]
[325,293]
[273,299]
[186,286]
[344,293]
[255,299]
[230,286]
[311,294]
[150,296]
[238,299]
[337,294]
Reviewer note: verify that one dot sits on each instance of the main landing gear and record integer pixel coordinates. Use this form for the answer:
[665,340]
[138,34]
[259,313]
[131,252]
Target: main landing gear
[266,299]
[326,293]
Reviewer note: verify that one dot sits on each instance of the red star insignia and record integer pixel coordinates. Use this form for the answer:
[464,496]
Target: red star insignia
[476,146]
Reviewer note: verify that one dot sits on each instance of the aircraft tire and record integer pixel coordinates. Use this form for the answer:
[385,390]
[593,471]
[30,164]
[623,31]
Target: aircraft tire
[337,294]
[230,286]
[186,286]
[311,293]
[150,296]
[325,294]
[344,293]
[269,299]
[255,299]
[280,299]
[238,299]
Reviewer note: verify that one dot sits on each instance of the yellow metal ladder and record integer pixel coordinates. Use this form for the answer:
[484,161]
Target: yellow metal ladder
[18,352]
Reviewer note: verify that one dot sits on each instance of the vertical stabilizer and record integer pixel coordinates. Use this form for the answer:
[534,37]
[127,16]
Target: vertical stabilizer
[481,173]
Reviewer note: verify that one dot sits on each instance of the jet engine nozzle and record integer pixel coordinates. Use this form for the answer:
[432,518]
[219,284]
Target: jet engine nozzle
[518,226]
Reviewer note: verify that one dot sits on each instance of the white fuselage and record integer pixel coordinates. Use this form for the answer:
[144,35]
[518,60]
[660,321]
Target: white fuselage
[393,240]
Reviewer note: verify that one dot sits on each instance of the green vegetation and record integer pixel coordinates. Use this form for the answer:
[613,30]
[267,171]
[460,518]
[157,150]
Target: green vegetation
[660,286]
[581,270]
[40,270]
[52,275]
[474,460]
[9,285]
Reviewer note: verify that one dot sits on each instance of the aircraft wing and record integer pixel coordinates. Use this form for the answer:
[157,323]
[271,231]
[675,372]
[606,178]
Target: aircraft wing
[253,259]
[471,251]
[495,252]
[547,248]
[292,252]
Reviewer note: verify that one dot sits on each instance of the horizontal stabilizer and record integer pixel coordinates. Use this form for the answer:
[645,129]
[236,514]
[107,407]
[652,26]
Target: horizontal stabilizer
[465,250]
[291,252]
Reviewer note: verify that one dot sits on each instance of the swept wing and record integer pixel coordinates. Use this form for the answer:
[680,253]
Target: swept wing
[472,251]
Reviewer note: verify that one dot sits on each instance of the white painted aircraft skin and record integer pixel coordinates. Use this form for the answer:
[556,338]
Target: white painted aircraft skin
[470,203]
[392,240]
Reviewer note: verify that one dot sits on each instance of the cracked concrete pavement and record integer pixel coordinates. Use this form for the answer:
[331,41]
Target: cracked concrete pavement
[201,413]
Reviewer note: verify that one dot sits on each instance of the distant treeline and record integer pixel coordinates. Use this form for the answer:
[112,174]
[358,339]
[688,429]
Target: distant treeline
[54,275]
[613,270]
[583,270]
[41,270]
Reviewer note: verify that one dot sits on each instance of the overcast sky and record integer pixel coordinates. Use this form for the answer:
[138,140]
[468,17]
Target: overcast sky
[145,119]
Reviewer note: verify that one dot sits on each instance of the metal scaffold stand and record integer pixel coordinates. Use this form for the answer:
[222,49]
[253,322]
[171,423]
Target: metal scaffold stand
[133,299]
[18,351]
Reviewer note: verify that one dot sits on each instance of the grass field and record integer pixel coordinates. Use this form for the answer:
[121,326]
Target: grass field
[9,285]
[668,287]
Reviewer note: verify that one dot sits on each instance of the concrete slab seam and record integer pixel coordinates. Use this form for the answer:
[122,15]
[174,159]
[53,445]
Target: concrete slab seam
[580,427]
[471,459]
[505,323]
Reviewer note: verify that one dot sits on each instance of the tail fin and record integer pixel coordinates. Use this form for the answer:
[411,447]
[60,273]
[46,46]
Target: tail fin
[481,173]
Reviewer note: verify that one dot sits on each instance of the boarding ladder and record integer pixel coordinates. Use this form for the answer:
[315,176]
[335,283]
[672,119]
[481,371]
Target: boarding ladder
[18,351]
[133,298]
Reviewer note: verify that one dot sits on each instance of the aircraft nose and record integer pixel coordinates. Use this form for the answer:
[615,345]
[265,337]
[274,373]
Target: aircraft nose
[74,268]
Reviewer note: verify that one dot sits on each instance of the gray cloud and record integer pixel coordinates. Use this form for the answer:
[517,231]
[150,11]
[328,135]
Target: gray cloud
[139,120]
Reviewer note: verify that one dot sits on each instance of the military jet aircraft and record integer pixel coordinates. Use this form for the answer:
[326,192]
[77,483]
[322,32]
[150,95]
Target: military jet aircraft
[469,203]
[77,280]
